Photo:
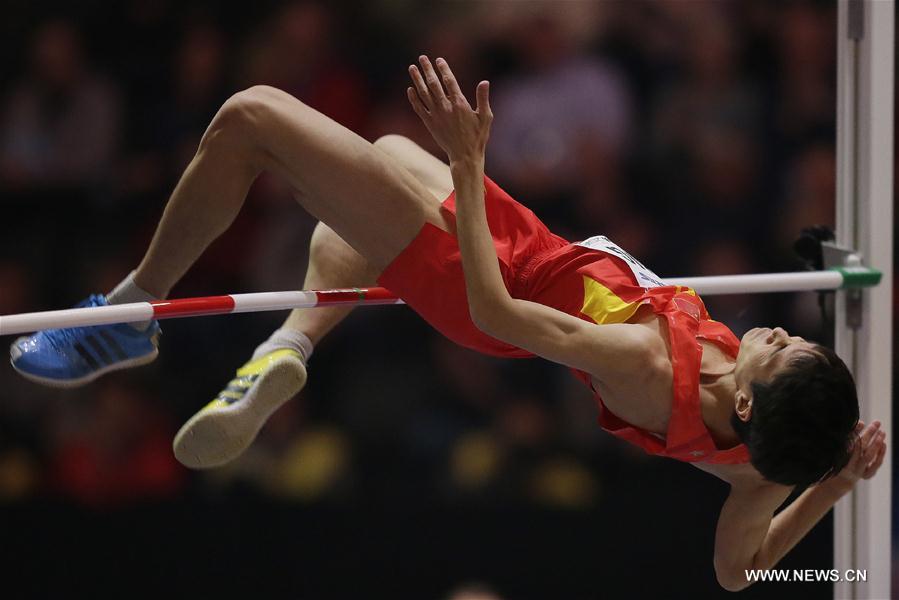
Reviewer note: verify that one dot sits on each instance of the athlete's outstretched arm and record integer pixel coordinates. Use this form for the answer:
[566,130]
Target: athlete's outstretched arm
[749,538]
[606,351]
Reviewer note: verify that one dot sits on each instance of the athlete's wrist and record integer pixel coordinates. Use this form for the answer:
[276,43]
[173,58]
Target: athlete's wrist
[469,162]
[835,487]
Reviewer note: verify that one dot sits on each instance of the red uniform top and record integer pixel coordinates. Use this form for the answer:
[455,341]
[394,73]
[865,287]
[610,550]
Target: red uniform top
[597,281]
[594,280]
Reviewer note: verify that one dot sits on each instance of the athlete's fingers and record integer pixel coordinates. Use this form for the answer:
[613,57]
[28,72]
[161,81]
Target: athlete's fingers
[857,461]
[855,458]
[868,433]
[874,465]
[417,106]
[433,82]
[869,451]
[483,96]
[449,80]
[420,87]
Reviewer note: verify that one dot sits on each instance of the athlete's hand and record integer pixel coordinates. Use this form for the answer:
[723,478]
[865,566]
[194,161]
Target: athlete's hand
[436,98]
[867,454]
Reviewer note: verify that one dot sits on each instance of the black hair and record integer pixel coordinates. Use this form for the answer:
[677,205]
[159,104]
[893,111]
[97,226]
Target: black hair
[802,426]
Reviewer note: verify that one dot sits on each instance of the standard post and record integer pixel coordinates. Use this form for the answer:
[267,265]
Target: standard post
[865,46]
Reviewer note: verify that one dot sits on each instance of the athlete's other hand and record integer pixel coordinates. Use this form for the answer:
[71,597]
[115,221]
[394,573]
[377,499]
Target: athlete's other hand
[461,131]
[867,454]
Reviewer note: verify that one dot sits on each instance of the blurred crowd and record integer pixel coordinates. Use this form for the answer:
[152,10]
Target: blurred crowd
[697,135]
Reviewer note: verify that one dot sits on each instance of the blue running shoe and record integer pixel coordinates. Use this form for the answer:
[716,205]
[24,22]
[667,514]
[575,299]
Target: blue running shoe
[78,355]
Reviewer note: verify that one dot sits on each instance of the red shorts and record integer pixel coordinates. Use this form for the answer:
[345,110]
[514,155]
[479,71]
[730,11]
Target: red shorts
[428,275]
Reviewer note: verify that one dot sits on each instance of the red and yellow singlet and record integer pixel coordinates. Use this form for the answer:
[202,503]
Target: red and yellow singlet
[594,280]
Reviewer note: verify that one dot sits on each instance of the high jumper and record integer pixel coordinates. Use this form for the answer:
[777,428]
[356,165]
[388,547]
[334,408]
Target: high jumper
[765,414]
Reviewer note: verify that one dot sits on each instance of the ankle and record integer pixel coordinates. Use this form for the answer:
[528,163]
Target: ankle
[141,281]
[284,337]
[126,292]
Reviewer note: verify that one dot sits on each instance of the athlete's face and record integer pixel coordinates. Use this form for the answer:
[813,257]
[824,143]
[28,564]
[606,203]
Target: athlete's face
[766,352]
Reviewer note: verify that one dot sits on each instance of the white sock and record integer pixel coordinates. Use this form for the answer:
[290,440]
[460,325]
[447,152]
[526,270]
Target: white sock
[286,338]
[126,292]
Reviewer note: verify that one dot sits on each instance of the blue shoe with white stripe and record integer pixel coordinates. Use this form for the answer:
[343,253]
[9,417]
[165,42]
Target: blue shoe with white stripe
[78,355]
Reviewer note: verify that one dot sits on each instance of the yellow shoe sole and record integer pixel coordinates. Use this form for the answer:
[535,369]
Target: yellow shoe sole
[221,431]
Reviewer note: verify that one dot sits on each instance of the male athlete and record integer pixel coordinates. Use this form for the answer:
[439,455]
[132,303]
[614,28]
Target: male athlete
[764,414]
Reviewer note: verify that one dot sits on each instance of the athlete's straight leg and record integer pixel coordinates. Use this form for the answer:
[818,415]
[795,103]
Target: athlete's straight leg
[360,192]
[334,264]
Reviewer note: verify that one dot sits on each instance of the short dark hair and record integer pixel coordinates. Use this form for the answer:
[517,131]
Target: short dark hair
[802,426]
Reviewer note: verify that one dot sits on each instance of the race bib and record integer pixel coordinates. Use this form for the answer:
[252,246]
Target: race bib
[645,277]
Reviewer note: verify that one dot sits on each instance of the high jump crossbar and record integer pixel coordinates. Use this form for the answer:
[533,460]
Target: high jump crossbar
[830,279]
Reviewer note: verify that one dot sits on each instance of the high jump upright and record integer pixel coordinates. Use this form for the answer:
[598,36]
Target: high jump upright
[864,221]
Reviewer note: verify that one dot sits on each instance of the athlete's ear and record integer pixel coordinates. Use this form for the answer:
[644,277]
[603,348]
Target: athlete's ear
[743,405]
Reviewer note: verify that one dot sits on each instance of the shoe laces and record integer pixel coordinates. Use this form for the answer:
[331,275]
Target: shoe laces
[63,338]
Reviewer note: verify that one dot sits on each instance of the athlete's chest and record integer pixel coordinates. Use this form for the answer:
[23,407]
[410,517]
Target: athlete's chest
[644,398]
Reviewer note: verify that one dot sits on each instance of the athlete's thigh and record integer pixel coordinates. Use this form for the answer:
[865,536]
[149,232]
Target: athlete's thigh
[364,195]
[424,166]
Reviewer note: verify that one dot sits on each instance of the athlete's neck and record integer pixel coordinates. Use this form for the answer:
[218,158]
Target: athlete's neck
[718,406]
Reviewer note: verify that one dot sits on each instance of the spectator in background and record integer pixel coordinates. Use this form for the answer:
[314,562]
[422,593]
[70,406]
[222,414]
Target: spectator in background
[59,125]
[562,105]
[296,52]
[704,129]
[806,45]
[165,136]
[810,193]
[199,88]
[118,453]
[454,36]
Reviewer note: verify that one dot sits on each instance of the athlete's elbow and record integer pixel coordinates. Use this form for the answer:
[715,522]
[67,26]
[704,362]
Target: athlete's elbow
[733,585]
[731,580]
[485,320]
[490,317]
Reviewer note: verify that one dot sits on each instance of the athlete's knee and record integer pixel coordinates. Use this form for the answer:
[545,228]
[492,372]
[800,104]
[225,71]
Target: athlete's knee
[394,144]
[243,116]
[329,253]
[324,240]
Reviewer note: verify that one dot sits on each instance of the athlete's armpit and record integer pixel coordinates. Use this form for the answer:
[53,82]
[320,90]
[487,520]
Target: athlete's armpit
[611,353]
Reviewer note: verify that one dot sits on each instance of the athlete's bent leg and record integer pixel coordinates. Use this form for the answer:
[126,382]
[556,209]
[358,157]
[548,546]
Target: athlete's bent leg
[223,429]
[333,264]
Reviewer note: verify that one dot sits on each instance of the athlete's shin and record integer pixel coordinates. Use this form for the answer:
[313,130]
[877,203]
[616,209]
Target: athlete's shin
[332,264]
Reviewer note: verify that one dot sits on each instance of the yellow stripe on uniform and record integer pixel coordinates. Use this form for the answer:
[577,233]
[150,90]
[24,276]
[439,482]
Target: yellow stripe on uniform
[682,289]
[603,306]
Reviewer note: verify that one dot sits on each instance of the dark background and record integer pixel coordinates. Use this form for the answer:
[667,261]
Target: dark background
[698,135]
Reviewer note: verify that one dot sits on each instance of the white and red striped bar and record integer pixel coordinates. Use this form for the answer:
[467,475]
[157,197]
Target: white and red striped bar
[236,303]
[191,307]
